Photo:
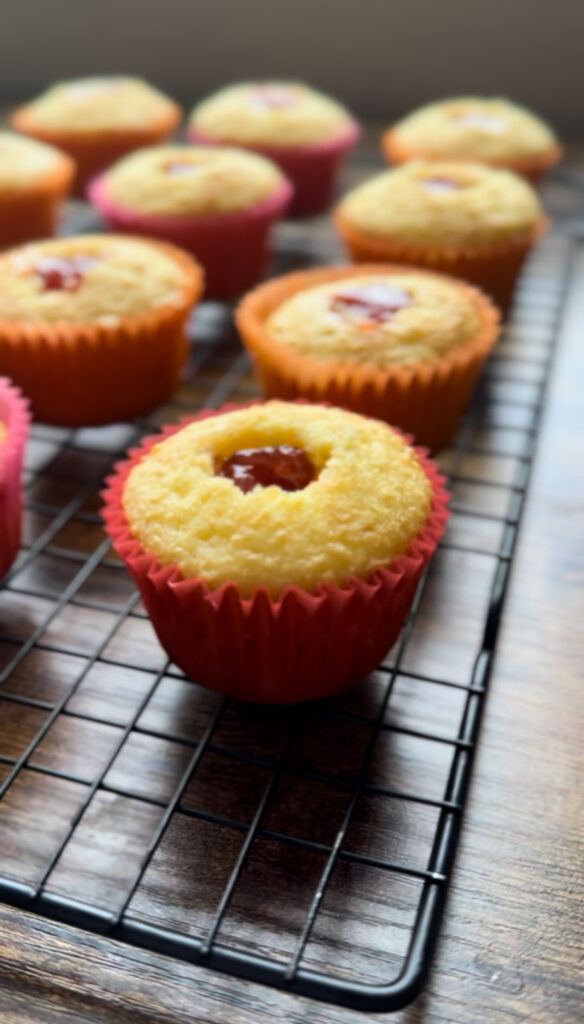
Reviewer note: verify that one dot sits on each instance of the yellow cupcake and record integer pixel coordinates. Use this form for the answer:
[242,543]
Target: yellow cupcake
[24,161]
[87,279]
[92,104]
[472,128]
[443,203]
[185,513]
[270,113]
[385,319]
[191,180]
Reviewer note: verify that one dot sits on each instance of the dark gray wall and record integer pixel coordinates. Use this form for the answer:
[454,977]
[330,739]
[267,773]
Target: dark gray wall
[380,56]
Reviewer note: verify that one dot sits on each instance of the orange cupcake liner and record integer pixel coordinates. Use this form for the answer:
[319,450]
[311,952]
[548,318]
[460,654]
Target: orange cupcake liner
[426,400]
[94,151]
[301,646]
[533,168]
[31,211]
[15,417]
[79,374]
[493,266]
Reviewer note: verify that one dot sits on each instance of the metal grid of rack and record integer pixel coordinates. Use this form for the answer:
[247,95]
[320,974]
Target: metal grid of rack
[307,849]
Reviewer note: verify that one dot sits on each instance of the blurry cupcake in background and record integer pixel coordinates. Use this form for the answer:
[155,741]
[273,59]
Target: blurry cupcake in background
[34,180]
[403,345]
[92,328]
[307,133]
[490,131]
[217,203]
[98,120]
[14,421]
[460,218]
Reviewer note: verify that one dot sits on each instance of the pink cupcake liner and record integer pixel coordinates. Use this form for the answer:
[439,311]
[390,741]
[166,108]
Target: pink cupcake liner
[15,416]
[232,247]
[312,168]
[300,646]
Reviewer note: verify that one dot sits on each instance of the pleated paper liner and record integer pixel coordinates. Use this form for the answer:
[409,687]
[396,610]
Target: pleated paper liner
[312,168]
[233,247]
[95,149]
[78,374]
[30,212]
[426,400]
[15,418]
[533,168]
[493,266]
[300,646]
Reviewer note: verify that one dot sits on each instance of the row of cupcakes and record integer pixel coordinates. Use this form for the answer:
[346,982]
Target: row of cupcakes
[97,121]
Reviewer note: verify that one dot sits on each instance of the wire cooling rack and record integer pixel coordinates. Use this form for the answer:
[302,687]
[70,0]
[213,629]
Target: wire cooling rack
[306,849]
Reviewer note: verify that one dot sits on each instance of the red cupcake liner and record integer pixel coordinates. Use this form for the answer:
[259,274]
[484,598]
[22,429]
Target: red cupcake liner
[232,247]
[300,646]
[14,414]
[312,168]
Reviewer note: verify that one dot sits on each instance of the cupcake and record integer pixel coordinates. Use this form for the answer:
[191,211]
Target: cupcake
[14,420]
[218,204]
[489,131]
[403,345]
[98,120]
[265,573]
[34,179]
[461,218]
[306,133]
[92,327]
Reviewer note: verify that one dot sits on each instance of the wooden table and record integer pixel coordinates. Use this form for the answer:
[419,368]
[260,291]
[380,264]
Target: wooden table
[510,941]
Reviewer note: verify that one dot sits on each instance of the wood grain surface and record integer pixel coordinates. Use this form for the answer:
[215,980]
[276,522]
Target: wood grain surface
[510,943]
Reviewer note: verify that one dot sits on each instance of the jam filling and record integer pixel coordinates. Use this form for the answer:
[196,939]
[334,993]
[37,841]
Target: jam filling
[180,167]
[476,119]
[58,274]
[281,465]
[272,97]
[376,302]
[441,185]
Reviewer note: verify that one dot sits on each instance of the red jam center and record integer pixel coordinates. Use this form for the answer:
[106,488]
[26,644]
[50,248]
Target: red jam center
[273,97]
[283,465]
[180,167]
[441,185]
[476,119]
[376,302]
[63,274]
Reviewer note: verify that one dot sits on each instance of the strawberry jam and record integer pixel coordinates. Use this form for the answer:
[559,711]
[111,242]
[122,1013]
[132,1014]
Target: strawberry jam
[272,97]
[440,185]
[58,274]
[281,465]
[376,302]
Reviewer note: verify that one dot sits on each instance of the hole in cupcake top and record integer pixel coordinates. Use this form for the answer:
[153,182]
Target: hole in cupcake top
[376,302]
[283,465]
[442,185]
[182,167]
[59,274]
[272,97]
[492,123]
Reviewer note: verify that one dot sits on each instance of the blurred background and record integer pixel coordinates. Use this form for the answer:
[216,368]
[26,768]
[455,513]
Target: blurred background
[381,57]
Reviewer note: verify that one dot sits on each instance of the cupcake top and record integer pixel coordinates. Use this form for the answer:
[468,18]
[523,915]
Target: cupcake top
[89,278]
[24,161]
[90,104]
[379,319]
[270,114]
[191,180]
[436,202]
[272,495]
[471,128]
